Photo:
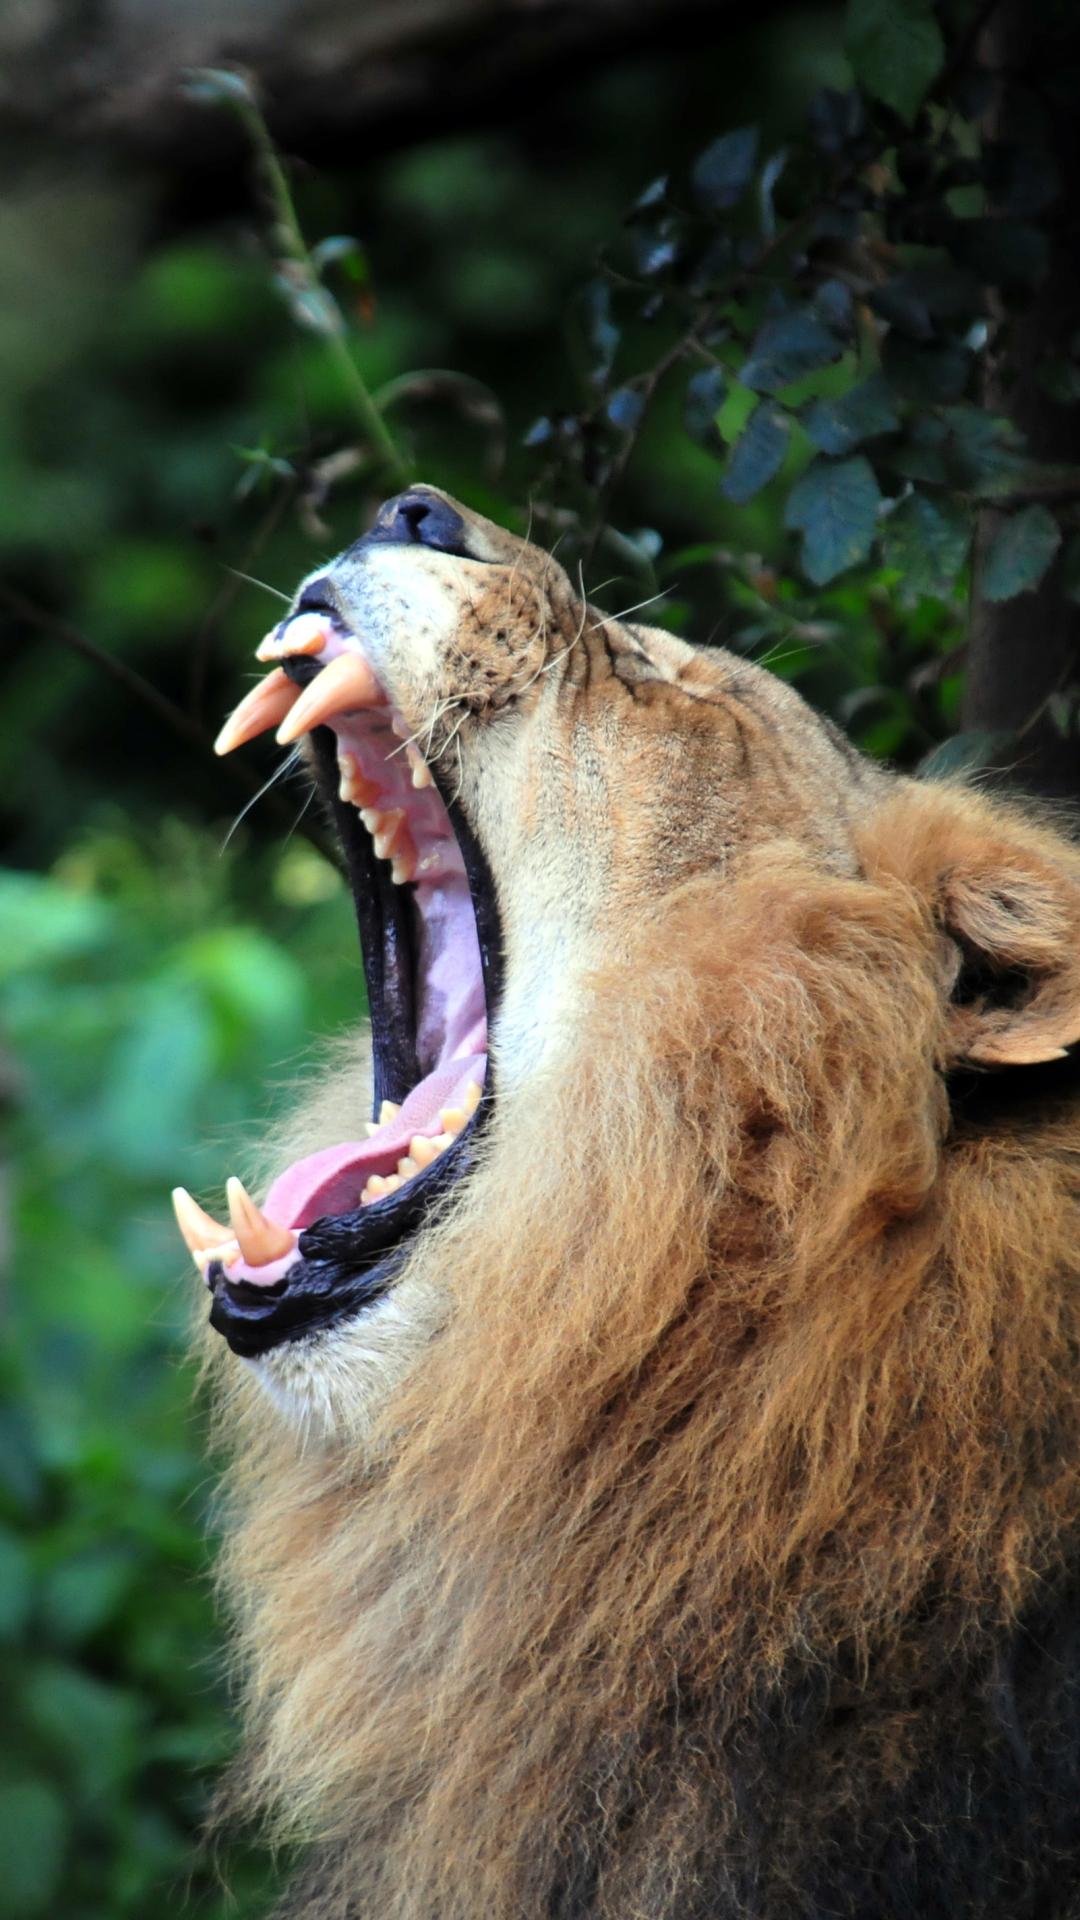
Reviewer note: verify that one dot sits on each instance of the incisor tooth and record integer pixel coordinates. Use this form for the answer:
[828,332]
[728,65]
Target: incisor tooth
[200,1230]
[261,1240]
[345,684]
[421,772]
[263,707]
[308,633]
[389,1111]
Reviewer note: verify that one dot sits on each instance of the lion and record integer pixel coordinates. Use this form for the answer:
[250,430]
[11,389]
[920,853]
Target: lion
[657,1428]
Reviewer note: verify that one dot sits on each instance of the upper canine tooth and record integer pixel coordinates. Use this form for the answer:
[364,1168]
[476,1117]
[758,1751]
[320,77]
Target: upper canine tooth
[347,683]
[200,1230]
[421,772]
[261,1240]
[472,1096]
[263,707]
[307,633]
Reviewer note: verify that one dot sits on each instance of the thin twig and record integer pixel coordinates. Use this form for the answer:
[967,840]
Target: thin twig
[172,716]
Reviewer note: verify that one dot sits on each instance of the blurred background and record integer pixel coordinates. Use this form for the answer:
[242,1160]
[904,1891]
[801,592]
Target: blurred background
[175,452]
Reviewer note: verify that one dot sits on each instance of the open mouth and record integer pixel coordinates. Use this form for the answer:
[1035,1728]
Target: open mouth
[337,1225]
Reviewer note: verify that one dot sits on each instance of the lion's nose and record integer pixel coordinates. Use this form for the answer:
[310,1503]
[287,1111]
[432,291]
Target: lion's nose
[417,519]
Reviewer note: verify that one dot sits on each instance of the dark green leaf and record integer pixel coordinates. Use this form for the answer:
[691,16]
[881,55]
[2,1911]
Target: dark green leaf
[833,306]
[913,301]
[1019,553]
[656,248]
[759,453]
[32,1836]
[704,397]
[928,375]
[79,1596]
[16,1587]
[896,50]
[645,205]
[985,453]
[723,172]
[625,409]
[835,506]
[787,349]
[927,542]
[836,119]
[770,174]
[964,753]
[1004,253]
[836,426]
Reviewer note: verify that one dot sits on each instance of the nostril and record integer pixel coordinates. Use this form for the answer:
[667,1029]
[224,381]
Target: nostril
[415,512]
[418,520]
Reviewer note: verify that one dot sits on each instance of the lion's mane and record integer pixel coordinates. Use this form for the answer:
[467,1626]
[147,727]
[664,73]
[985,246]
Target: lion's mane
[757,1398]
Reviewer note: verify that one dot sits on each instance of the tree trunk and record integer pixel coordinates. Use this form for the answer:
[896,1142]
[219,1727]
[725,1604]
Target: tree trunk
[1024,650]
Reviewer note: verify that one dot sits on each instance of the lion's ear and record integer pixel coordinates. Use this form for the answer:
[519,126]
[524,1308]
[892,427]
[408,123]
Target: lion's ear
[1012,912]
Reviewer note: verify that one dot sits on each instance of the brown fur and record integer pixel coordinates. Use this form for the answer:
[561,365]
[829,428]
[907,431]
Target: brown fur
[750,1358]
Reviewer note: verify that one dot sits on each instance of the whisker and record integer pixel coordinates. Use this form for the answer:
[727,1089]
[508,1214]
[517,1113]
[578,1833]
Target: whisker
[264,584]
[638,604]
[290,761]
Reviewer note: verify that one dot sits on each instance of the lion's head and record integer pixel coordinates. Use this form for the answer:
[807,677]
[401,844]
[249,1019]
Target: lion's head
[687,1317]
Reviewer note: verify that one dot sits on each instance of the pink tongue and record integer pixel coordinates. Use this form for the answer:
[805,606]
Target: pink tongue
[332,1180]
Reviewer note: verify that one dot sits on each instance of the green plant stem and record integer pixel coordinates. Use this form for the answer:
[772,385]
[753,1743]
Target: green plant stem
[291,245]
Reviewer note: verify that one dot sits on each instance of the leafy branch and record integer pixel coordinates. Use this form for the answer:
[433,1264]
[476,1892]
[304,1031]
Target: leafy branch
[300,269]
[845,332]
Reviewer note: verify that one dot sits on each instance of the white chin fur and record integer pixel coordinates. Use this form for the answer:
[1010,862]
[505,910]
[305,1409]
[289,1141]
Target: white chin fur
[331,1385]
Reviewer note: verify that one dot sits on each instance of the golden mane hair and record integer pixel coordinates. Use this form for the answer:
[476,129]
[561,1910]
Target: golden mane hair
[753,1419]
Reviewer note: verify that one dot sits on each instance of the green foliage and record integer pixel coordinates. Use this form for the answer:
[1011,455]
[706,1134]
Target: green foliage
[896,49]
[143,1012]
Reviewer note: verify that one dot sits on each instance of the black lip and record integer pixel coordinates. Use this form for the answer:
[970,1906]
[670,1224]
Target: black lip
[349,1260]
